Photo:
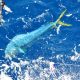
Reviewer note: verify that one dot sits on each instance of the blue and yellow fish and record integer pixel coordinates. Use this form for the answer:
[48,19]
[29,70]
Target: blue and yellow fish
[18,43]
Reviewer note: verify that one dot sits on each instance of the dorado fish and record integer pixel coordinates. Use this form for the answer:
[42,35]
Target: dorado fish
[18,43]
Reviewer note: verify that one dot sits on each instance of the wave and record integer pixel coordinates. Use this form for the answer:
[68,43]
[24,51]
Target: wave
[38,69]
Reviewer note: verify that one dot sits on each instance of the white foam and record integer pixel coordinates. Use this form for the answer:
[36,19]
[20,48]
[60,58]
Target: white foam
[4,77]
[58,29]
[68,15]
[7,9]
[6,66]
[65,77]
[76,55]
[40,69]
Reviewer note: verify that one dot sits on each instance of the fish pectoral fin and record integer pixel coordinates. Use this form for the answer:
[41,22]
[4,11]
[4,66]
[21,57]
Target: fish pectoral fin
[64,24]
[21,50]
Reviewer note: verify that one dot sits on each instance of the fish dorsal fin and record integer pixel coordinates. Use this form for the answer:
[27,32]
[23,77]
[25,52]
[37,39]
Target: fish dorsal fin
[63,24]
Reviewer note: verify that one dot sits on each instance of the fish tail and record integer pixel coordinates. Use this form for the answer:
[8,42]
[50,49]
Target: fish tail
[62,14]
[63,24]
[60,22]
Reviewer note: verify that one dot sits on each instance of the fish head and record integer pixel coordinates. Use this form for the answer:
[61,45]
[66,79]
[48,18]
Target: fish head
[11,52]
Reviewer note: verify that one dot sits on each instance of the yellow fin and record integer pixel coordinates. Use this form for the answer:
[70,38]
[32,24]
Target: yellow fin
[62,14]
[63,24]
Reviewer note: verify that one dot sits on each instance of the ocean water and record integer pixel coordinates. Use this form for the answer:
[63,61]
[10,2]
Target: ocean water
[55,55]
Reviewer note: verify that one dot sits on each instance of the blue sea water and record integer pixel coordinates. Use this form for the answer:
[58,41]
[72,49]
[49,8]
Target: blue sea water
[62,49]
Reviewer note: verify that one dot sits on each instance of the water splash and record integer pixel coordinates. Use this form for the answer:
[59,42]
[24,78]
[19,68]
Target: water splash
[39,69]
[58,29]
[76,55]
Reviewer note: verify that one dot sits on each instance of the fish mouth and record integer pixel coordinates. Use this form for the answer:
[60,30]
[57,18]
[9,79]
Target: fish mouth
[9,56]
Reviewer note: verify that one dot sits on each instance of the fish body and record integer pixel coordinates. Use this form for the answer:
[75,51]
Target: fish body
[17,44]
